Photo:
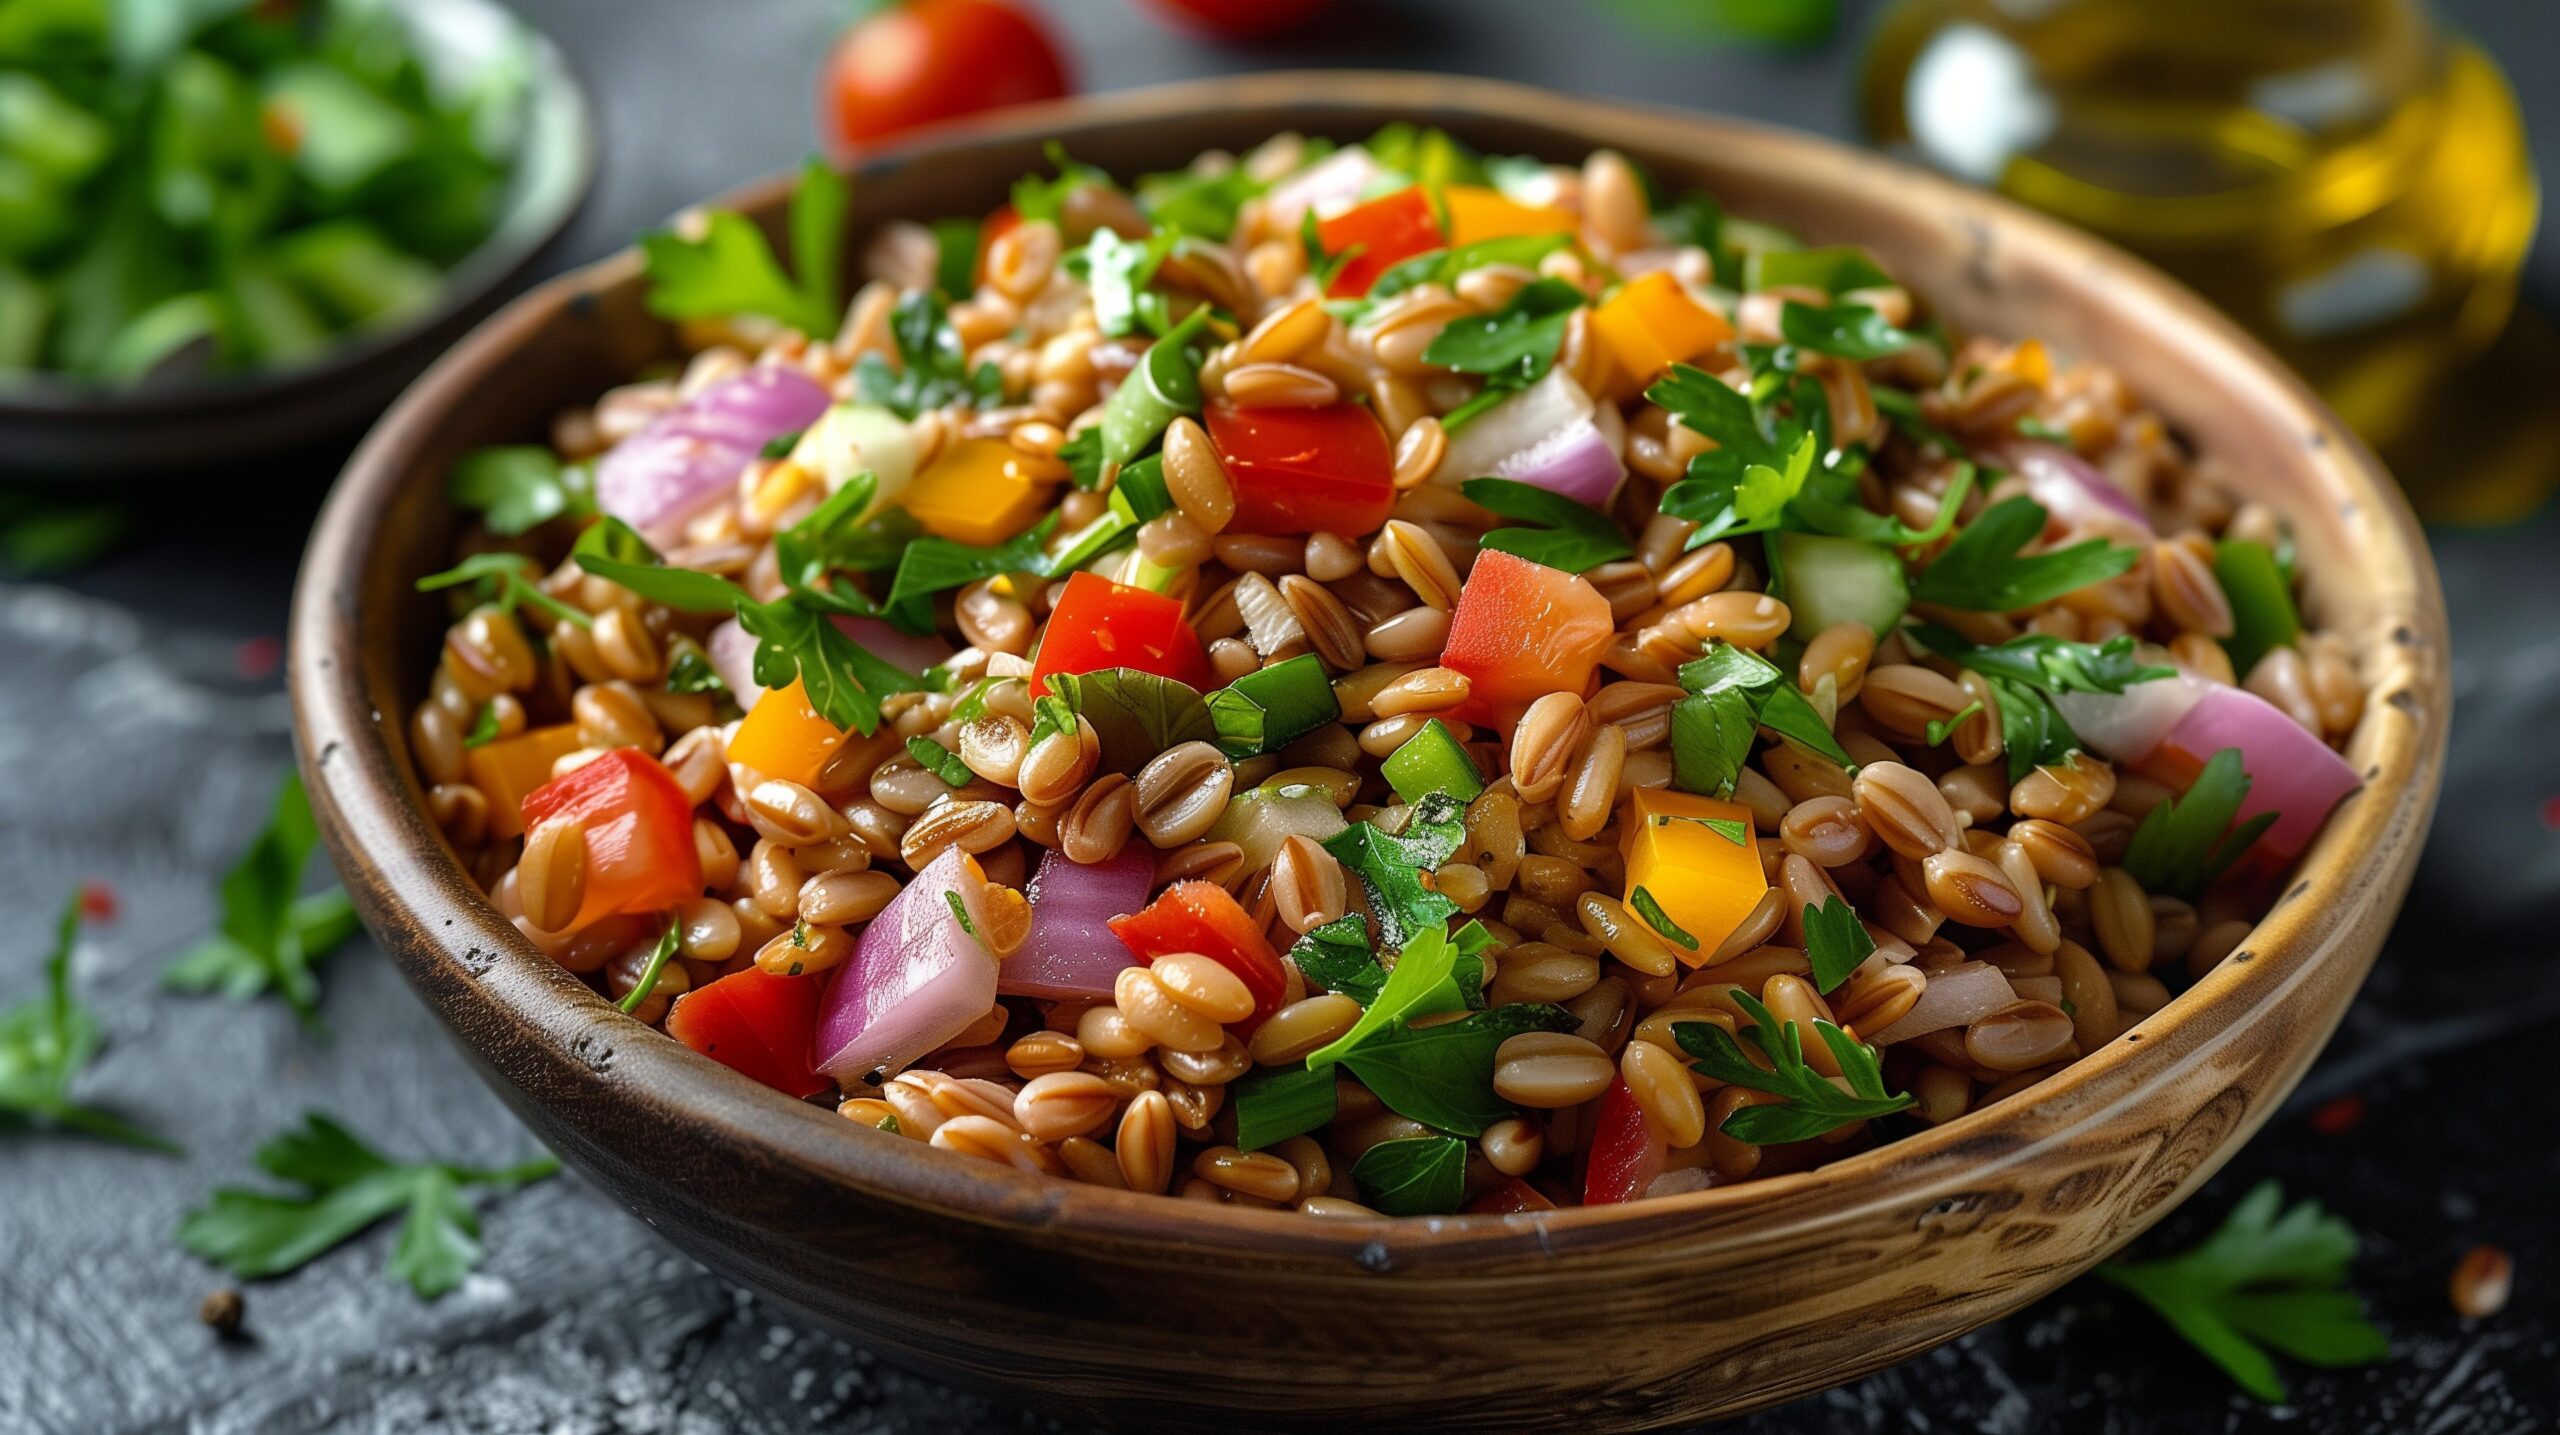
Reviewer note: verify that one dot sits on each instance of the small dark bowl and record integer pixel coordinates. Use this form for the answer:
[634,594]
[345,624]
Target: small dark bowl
[1148,1311]
[58,432]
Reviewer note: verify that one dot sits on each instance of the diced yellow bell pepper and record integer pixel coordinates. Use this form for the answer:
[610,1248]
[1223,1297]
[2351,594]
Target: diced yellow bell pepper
[1682,849]
[1651,323]
[1477,213]
[783,485]
[784,736]
[979,492]
[509,768]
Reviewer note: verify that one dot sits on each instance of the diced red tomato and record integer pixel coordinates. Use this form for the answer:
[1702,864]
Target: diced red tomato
[1523,630]
[1003,217]
[1388,230]
[756,1024]
[1101,624]
[98,902]
[639,833]
[1626,1152]
[1201,917]
[1325,470]
[1508,1197]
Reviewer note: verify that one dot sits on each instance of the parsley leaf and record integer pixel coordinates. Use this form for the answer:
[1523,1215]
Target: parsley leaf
[1848,331]
[2271,1276]
[1035,198]
[614,551]
[1814,1106]
[1834,270]
[690,671]
[1391,866]
[269,936]
[2039,660]
[1413,1176]
[930,564]
[844,680]
[1645,905]
[955,256]
[836,535]
[516,488]
[1726,499]
[933,368]
[1322,267]
[346,1186]
[1443,266]
[1118,272]
[730,269]
[1835,941]
[1571,536]
[1198,202]
[484,728]
[505,580]
[1422,983]
[1442,1075]
[1984,570]
[1735,692]
[941,761]
[1515,345]
[1136,714]
[2186,842]
[46,1040]
[1336,956]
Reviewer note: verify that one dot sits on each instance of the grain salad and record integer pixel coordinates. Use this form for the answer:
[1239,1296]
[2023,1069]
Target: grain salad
[1373,679]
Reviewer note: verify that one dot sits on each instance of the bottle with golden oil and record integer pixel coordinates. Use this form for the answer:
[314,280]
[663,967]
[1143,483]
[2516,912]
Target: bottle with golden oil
[2341,176]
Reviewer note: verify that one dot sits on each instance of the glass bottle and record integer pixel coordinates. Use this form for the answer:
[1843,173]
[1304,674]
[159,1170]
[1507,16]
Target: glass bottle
[2341,176]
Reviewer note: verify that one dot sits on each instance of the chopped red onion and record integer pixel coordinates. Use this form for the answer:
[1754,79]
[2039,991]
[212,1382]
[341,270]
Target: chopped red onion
[688,456]
[1071,952]
[916,980]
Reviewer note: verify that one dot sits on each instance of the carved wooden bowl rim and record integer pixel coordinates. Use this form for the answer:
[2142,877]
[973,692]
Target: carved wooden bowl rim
[497,992]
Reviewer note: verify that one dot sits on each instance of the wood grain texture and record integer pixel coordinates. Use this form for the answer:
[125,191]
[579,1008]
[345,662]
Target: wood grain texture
[1109,1304]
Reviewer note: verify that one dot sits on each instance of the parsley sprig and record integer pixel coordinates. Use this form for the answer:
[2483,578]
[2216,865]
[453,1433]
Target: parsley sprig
[516,488]
[2272,1277]
[45,1041]
[2186,842]
[269,934]
[933,367]
[1571,536]
[345,1187]
[1835,942]
[1513,347]
[729,269]
[1733,694]
[505,580]
[1986,569]
[2023,672]
[1814,1105]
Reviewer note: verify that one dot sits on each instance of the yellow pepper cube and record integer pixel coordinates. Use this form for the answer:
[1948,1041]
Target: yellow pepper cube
[1651,323]
[784,736]
[1699,858]
[1477,213]
[509,768]
[979,491]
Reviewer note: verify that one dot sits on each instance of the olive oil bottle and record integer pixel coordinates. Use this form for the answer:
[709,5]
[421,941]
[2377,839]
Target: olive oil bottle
[2341,176]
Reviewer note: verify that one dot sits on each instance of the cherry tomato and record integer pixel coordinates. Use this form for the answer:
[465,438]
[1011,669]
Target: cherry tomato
[1626,1153]
[1327,470]
[639,833]
[1387,230]
[1509,1196]
[1238,19]
[1201,917]
[923,61]
[756,1024]
[1523,630]
[1100,624]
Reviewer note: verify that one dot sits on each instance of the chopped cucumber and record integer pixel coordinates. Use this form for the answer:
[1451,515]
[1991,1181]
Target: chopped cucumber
[1837,580]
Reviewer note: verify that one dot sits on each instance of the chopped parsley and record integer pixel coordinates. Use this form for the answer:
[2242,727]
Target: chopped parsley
[933,368]
[1814,1106]
[1986,570]
[1835,942]
[1574,537]
[730,270]
[504,580]
[269,935]
[46,1040]
[2186,842]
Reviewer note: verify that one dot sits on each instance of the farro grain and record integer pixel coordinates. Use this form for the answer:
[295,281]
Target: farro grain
[1097,826]
[1545,1070]
[2019,1036]
[1143,1145]
[2120,914]
[1180,793]
[2481,1282]
[1059,1104]
[1543,972]
[1416,558]
[1906,698]
[1260,1174]
[1663,1091]
[1590,793]
[1326,624]
[1970,890]
[805,950]
[2066,792]
[1043,1053]
[1207,1068]
[2035,924]
[1872,1001]
[551,877]
[1542,749]
[2186,591]
[973,826]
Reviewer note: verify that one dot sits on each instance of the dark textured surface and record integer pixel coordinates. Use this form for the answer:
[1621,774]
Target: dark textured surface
[145,739]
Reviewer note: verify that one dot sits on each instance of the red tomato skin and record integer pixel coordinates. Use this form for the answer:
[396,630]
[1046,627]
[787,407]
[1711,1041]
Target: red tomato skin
[1326,470]
[1523,630]
[1238,19]
[639,833]
[1101,624]
[1201,917]
[756,1024]
[1626,1151]
[1389,230]
[922,62]
[1509,1196]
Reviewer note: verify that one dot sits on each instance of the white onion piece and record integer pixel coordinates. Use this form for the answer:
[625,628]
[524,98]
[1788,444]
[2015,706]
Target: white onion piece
[859,438]
[1260,820]
[2291,772]
[2069,487]
[685,459]
[915,981]
[1071,952]
[1528,418]
[1960,995]
[906,650]
[2127,726]
[1328,187]
[1681,1182]
[732,651]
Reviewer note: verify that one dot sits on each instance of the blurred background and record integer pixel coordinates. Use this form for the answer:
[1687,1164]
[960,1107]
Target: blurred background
[191,334]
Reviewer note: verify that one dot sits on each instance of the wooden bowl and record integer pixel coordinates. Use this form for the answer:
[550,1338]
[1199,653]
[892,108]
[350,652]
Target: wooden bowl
[1146,1311]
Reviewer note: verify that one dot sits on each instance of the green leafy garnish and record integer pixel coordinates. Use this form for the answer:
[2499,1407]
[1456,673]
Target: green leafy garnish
[1271,707]
[2263,617]
[2271,1277]
[1443,266]
[955,256]
[506,581]
[1835,942]
[730,270]
[1571,536]
[1276,1103]
[1813,1106]
[269,936]
[690,671]
[1984,570]
[837,536]
[2055,665]
[1391,866]
[1515,345]
[941,761]
[1118,272]
[1836,270]
[1849,331]
[1135,714]
[484,728]
[346,1186]
[932,369]
[1937,730]
[1336,956]
[516,488]
[845,681]
[614,551]
[1414,1176]
[1422,983]
[1197,202]
[2186,842]
[658,958]
[1644,904]
[45,1041]
[1323,268]
[930,564]
[1036,198]
[1424,154]
[1735,692]
[1442,1075]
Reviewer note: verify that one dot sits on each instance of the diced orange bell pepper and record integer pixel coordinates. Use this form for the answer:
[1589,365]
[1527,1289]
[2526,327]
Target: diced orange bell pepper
[1477,213]
[1681,849]
[1523,630]
[638,827]
[784,736]
[980,491]
[1650,324]
[511,767]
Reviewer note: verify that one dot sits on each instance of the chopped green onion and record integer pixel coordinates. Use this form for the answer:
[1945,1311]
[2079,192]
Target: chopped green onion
[2262,613]
[1433,760]
[1270,707]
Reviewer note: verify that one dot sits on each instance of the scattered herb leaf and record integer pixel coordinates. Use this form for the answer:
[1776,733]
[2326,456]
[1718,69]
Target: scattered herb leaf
[269,936]
[44,1043]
